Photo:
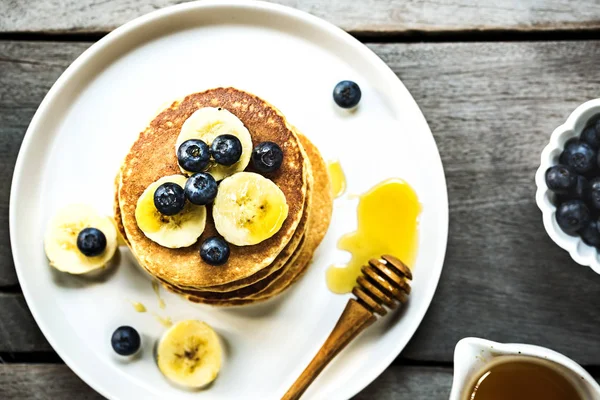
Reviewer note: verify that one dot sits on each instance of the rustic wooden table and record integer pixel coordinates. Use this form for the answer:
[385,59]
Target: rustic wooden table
[493,78]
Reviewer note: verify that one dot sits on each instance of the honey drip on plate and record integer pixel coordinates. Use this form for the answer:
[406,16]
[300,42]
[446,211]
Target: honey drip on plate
[156,288]
[337,178]
[139,307]
[388,218]
[164,321]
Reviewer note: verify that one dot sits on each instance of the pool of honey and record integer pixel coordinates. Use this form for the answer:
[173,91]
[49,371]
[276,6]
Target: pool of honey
[388,219]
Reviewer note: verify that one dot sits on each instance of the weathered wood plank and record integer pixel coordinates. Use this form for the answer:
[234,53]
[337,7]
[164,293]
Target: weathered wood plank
[42,381]
[399,16]
[491,107]
[404,382]
[18,330]
[56,381]
[26,73]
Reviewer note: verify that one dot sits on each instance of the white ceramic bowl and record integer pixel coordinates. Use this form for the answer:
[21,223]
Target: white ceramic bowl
[577,121]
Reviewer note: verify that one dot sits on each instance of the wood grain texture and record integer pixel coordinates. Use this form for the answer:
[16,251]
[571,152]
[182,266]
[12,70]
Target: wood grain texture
[27,71]
[491,107]
[40,382]
[398,16]
[18,331]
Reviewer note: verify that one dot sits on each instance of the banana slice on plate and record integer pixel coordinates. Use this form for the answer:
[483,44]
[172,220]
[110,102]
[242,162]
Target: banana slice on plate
[249,208]
[180,230]
[60,243]
[206,124]
[189,354]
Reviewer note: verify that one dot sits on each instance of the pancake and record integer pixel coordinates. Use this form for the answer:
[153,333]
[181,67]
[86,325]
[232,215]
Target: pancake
[279,262]
[152,156]
[318,223]
[281,259]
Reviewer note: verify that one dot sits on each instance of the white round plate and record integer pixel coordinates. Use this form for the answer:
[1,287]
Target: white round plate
[93,113]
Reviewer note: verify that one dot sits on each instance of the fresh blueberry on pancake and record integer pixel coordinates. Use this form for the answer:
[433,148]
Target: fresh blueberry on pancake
[169,198]
[226,149]
[201,189]
[215,251]
[193,155]
[267,157]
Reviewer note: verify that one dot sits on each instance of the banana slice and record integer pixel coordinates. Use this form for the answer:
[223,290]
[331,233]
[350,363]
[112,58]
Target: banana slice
[175,231]
[60,243]
[208,123]
[248,209]
[189,354]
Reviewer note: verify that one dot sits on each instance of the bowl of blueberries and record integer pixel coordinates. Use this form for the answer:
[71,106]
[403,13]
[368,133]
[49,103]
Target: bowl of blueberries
[568,185]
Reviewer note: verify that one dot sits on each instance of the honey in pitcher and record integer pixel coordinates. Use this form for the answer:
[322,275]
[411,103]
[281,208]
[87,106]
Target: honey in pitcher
[388,217]
[521,378]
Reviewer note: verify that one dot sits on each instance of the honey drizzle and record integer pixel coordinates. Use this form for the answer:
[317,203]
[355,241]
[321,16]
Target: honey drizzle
[139,307]
[337,178]
[164,321]
[387,224]
[156,288]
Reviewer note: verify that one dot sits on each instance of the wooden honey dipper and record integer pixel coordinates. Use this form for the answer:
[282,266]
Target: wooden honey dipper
[383,283]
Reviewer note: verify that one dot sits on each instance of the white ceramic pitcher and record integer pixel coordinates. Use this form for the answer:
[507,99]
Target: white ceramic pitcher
[472,354]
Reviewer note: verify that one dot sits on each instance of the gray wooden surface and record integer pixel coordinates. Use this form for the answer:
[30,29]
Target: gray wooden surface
[70,16]
[491,106]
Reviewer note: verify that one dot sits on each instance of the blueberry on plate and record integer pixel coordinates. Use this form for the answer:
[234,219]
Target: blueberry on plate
[346,94]
[91,242]
[267,157]
[590,233]
[215,251]
[193,155]
[226,149]
[591,136]
[572,215]
[201,189]
[125,341]
[595,193]
[581,191]
[580,156]
[561,179]
[169,198]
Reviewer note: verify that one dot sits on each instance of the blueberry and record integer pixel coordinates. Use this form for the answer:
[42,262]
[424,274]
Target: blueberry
[591,136]
[267,157]
[215,251]
[346,94]
[201,188]
[561,179]
[595,193]
[91,242]
[169,198]
[580,156]
[581,191]
[590,233]
[125,341]
[572,215]
[226,149]
[193,155]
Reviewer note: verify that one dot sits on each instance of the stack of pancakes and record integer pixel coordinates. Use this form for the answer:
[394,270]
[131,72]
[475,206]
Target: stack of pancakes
[252,273]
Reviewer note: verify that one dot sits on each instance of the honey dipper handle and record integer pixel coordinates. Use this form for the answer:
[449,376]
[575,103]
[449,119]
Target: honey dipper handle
[353,321]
